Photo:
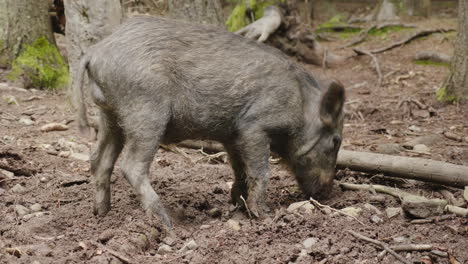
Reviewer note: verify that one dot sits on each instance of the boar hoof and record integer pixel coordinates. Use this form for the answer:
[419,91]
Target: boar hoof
[162,215]
[237,192]
[101,209]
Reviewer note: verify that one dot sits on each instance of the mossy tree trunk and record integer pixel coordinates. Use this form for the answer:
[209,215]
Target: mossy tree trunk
[456,86]
[392,9]
[198,11]
[21,23]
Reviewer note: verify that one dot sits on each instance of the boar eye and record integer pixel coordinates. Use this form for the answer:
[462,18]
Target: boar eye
[336,141]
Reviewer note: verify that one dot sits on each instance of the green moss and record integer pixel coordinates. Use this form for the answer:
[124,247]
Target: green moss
[238,18]
[442,95]
[42,64]
[386,30]
[337,20]
[431,63]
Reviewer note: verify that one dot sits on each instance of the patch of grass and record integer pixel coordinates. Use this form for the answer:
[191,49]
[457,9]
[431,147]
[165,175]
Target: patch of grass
[431,63]
[41,63]
[384,31]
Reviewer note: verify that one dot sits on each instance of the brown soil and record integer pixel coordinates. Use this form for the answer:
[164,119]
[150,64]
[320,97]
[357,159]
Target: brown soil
[68,232]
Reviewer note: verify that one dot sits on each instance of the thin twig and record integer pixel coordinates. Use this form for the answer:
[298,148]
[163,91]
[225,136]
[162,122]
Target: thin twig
[381,244]
[320,206]
[246,207]
[376,62]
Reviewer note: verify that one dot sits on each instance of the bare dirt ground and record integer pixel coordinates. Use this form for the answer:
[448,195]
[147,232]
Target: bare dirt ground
[63,229]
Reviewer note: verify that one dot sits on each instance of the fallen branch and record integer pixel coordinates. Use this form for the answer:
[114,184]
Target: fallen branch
[265,26]
[381,244]
[415,35]
[396,166]
[433,56]
[375,60]
[431,205]
[404,167]
[412,247]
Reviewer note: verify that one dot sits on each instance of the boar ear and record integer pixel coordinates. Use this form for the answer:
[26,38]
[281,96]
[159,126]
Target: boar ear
[331,104]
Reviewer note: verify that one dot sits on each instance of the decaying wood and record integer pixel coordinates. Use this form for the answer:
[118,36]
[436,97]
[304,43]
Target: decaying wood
[265,26]
[381,244]
[415,35]
[404,167]
[207,145]
[376,63]
[433,56]
[453,136]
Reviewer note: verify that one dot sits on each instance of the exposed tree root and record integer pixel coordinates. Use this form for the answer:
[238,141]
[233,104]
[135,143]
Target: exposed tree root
[415,35]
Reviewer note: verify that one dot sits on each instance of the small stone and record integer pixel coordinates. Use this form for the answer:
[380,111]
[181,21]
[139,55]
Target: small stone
[29,216]
[8,174]
[353,211]
[303,253]
[106,235]
[64,154]
[26,121]
[164,249]
[421,207]
[169,241]
[428,140]
[80,156]
[402,239]
[54,127]
[372,208]
[214,212]
[18,188]
[233,224]
[203,227]
[390,148]
[421,148]
[377,198]
[44,179]
[301,207]
[2,191]
[229,184]
[191,245]
[393,211]
[21,210]
[415,128]
[344,250]
[309,242]
[36,207]
[396,122]
[376,219]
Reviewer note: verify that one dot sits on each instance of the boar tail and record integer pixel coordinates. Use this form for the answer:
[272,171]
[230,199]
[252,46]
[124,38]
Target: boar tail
[78,97]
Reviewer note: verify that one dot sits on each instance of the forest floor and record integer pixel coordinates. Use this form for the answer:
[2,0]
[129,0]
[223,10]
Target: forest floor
[47,217]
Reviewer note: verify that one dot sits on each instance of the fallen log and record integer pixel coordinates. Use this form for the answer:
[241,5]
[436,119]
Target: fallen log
[404,167]
[396,166]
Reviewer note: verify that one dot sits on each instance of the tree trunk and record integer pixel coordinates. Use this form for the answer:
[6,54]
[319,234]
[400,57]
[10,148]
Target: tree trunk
[198,11]
[88,21]
[21,23]
[418,7]
[456,86]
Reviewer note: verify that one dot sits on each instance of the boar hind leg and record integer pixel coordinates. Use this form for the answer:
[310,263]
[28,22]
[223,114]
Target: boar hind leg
[239,188]
[253,146]
[109,145]
[142,146]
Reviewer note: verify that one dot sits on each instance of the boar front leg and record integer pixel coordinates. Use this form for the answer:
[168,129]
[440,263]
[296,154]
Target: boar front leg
[253,148]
